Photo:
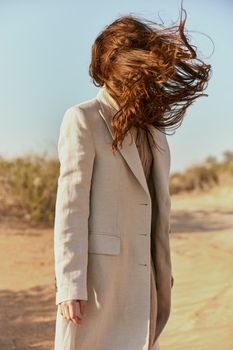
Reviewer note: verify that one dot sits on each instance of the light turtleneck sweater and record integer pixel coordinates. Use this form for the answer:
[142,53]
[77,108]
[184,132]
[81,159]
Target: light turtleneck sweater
[140,136]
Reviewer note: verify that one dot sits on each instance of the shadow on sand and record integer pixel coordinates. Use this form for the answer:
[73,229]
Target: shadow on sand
[201,221]
[27,319]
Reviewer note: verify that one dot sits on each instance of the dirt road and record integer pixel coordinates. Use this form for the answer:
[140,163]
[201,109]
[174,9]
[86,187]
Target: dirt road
[202,256]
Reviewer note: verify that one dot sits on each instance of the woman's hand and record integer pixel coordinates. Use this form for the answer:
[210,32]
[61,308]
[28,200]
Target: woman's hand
[69,310]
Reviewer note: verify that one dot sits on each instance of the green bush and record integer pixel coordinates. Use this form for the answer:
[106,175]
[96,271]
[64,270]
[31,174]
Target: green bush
[30,183]
[203,176]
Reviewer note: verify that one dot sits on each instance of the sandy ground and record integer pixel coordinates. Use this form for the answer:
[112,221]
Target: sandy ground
[202,256]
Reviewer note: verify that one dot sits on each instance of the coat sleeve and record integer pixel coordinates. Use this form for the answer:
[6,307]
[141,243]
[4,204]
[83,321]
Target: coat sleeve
[162,230]
[76,153]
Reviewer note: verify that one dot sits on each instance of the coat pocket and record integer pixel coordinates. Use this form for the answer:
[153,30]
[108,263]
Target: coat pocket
[100,243]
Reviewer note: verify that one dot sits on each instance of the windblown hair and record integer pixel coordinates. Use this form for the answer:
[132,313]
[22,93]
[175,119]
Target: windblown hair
[152,72]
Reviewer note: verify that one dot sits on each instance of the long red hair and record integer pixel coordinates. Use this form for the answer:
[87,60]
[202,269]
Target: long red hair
[152,72]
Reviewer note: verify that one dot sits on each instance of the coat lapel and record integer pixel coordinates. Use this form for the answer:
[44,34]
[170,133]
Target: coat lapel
[129,149]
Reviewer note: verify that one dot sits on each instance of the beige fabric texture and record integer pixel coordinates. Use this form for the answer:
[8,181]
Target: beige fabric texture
[111,223]
[143,146]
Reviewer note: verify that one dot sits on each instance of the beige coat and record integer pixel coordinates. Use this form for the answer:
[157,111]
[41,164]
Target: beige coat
[106,225]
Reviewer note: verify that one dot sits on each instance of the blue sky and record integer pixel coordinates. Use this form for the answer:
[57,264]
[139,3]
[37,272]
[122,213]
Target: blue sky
[45,52]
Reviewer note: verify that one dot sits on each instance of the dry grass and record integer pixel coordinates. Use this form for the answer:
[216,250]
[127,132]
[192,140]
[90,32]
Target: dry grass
[203,177]
[28,185]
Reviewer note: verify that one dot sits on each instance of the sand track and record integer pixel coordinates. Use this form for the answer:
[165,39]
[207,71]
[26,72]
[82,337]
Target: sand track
[202,256]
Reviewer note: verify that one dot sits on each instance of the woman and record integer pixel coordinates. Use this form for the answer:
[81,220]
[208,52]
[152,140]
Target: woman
[111,233]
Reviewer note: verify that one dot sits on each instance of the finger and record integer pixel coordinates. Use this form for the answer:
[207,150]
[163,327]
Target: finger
[73,313]
[65,312]
[172,281]
[82,305]
[60,309]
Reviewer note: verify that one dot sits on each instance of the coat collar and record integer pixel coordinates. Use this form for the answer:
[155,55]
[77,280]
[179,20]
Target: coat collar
[129,149]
